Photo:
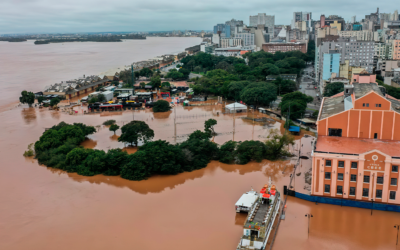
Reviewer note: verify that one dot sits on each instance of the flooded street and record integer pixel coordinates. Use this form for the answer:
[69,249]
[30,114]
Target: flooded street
[45,208]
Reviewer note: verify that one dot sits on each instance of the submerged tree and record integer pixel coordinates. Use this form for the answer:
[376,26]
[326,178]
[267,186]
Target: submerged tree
[209,126]
[27,97]
[136,131]
[114,127]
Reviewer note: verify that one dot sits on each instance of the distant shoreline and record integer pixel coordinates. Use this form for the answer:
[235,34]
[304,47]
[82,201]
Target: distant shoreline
[91,39]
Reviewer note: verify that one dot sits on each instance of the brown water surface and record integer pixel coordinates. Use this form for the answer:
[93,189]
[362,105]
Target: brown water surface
[43,208]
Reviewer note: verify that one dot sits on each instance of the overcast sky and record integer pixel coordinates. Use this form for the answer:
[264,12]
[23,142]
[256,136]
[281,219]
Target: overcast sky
[44,16]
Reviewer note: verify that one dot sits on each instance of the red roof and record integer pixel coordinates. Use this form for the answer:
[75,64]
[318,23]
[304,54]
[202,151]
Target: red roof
[347,145]
[263,191]
[266,195]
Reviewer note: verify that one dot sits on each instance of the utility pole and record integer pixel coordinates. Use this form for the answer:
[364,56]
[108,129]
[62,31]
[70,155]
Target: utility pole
[133,88]
[309,216]
[397,239]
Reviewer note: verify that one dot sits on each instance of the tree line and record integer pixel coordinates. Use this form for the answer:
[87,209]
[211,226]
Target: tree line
[59,147]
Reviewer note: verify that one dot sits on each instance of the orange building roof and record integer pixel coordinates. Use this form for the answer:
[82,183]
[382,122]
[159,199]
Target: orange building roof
[345,145]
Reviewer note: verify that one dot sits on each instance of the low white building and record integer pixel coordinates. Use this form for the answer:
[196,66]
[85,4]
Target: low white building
[235,108]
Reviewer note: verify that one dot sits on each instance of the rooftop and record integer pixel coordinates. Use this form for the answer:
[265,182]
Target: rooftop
[346,145]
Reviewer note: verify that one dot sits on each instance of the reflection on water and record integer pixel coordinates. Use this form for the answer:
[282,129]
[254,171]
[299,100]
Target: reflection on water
[29,115]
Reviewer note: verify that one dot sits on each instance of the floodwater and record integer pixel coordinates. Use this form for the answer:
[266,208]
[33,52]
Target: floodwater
[26,66]
[43,208]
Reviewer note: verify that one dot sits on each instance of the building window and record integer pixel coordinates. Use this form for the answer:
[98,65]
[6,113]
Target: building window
[353,177]
[363,104]
[378,194]
[327,188]
[378,105]
[395,168]
[366,178]
[393,181]
[379,180]
[353,191]
[392,195]
[367,104]
[365,192]
[354,165]
[340,176]
[339,190]
[328,175]
[328,163]
[335,132]
[376,136]
[341,164]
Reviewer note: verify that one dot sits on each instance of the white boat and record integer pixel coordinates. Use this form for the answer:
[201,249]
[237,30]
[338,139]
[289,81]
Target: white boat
[261,218]
[246,201]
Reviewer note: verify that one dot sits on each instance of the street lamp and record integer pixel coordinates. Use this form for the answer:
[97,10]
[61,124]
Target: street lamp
[309,216]
[372,207]
[397,227]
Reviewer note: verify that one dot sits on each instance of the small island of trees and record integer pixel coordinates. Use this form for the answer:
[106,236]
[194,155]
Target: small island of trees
[59,147]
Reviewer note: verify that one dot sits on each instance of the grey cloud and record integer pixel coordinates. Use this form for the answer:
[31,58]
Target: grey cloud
[22,16]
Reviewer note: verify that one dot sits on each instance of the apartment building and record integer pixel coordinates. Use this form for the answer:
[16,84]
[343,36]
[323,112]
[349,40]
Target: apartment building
[361,35]
[267,20]
[284,47]
[363,164]
[396,49]
[230,42]
[383,50]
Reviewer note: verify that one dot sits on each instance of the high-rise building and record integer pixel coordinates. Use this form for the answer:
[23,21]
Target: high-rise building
[300,17]
[247,38]
[396,49]
[353,19]
[267,20]
[330,64]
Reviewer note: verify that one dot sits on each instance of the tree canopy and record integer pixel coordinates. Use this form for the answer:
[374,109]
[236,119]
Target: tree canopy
[135,132]
[27,97]
[333,88]
[297,102]
[161,106]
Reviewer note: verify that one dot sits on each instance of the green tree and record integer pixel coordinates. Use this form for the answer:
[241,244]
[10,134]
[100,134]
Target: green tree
[40,99]
[114,160]
[101,98]
[250,150]
[93,100]
[174,74]
[27,97]
[209,126]
[54,102]
[161,106]
[199,135]
[276,143]
[114,127]
[136,168]
[263,95]
[165,84]
[333,88]
[197,69]
[109,122]
[227,152]
[285,86]
[136,131]
[146,72]
[235,88]
[142,84]
[297,102]
[155,82]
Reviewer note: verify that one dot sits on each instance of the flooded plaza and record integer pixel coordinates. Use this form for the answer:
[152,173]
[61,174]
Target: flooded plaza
[45,208]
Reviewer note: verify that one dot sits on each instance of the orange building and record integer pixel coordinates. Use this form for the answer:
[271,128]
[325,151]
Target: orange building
[357,153]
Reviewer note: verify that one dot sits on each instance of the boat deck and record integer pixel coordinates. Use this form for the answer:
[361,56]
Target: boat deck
[258,216]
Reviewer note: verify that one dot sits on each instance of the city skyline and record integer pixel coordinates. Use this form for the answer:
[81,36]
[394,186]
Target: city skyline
[43,16]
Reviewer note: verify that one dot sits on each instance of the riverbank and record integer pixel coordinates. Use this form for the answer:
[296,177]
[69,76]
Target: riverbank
[30,67]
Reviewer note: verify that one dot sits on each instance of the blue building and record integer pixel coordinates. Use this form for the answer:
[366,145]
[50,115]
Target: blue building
[330,64]
[357,27]
[219,27]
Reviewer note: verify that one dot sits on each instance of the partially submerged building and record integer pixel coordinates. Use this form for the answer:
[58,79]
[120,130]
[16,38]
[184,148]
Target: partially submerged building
[76,87]
[357,153]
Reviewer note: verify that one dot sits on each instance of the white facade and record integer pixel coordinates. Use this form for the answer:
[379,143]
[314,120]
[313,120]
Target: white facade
[247,38]
[230,42]
[360,35]
[267,20]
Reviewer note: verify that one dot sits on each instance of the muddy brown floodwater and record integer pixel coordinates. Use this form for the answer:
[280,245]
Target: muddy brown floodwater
[44,208]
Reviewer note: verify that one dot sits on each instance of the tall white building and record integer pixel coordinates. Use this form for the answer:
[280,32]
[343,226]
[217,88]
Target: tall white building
[247,38]
[300,17]
[353,19]
[267,20]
